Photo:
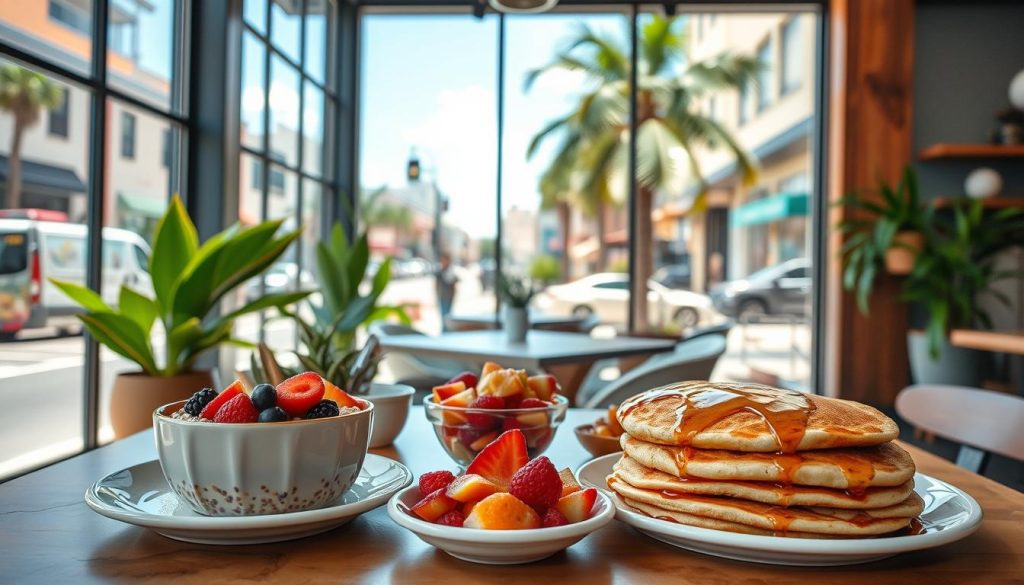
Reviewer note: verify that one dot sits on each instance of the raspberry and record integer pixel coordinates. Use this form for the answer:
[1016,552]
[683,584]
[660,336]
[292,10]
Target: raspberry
[537,483]
[453,518]
[533,403]
[510,423]
[237,410]
[553,518]
[482,420]
[435,480]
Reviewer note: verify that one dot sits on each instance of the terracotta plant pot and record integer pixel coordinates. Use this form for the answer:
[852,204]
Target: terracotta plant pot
[135,396]
[900,260]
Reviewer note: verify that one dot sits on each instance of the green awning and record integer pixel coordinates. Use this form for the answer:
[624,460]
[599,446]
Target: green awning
[772,208]
[140,204]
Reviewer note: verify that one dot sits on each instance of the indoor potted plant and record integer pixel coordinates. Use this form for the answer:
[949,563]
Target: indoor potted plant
[889,229]
[516,293]
[189,281]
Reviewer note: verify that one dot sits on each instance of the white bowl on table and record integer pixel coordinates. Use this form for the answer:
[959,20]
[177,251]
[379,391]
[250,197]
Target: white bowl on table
[497,547]
[391,404]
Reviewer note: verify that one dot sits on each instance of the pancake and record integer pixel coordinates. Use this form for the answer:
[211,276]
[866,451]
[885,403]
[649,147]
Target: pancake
[817,520]
[751,418]
[635,474]
[854,469]
[701,522]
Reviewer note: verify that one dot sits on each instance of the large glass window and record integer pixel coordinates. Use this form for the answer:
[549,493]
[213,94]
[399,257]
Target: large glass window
[48,184]
[793,55]
[766,77]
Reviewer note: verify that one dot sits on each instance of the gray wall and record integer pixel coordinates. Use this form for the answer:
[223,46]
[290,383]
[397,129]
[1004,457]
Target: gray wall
[965,55]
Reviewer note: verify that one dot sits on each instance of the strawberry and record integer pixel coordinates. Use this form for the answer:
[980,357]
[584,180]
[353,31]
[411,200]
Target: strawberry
[569,483]
[298,394]
[468,378]
[510,423]
[482,420]
[447,390]
[502,511]
[534,403]
[228,393]
[434,506]
[500,460]
[340,397]
[469,435]
[471,488]
[237,410]
[435,480]
[537,483]
[453,518]
[553,518]
[577,505]
[544,386]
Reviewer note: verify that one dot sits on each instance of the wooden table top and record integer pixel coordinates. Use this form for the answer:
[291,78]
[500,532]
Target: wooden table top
[995,341]
[48,535]
[541,348]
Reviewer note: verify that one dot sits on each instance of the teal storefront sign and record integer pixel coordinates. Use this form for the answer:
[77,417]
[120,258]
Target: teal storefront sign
[769,209]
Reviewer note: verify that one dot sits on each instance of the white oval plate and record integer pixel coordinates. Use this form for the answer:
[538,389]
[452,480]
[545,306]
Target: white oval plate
[140,495]
[497,547]
[949,515]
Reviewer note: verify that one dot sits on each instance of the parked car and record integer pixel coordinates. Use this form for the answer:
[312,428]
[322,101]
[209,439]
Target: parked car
[673,276]
[607,295]
[33,251]
[783,289]
[279,278]
[413,267]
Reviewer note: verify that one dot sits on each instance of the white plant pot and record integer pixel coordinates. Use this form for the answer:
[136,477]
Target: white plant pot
[391,404]
[516,322]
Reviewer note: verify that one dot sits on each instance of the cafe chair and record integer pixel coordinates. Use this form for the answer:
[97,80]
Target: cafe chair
[691,360]
[981,421]
[720,328]
[419,372]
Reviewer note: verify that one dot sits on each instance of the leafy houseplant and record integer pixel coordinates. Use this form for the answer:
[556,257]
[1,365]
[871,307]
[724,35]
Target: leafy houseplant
[516,293]
[889,232]
[189,281]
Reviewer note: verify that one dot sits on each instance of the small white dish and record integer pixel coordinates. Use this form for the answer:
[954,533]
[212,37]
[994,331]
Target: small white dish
[140,495]
[949,515]
[391,404]
[497,547]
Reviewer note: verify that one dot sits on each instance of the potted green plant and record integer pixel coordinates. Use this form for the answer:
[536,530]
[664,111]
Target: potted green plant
[887,232]
[189,281]
[516,294]
[953,274]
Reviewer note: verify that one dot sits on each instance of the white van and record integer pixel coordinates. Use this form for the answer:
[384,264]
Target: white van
[31,252]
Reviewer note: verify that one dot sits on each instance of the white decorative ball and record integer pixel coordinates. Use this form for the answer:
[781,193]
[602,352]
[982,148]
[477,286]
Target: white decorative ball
[1017,91]
[983,183]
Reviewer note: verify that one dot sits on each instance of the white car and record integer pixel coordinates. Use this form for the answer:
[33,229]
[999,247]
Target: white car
[607,295]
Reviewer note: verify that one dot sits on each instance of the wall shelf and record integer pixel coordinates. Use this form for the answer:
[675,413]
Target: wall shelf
[944,150]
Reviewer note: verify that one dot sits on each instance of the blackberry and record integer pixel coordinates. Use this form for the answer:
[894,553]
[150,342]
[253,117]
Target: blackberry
[263,397]
[274,414]
[326,408]
[199,400]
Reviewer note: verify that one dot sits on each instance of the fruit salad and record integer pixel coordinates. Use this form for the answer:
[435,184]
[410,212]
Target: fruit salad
[302,397]
[502,489]
[470,411]
[609,427]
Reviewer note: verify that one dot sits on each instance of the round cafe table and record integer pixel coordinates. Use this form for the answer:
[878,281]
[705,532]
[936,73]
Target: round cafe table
[48,535]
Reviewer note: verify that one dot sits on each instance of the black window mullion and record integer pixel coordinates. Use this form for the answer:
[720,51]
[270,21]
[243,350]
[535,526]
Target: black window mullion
[265,187]
[500,106]
[631,173]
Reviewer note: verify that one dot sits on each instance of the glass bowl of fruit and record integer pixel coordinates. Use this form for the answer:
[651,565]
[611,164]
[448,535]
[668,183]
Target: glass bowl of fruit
[470,411]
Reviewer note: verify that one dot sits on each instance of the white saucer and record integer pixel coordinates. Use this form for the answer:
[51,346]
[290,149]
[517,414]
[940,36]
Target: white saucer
[140,495]
[949,515]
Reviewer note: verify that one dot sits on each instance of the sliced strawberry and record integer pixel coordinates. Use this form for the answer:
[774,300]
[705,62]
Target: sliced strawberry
[453,417]
[534,403]
[448,390]
[468,378]
[500,460]
[340,397]
[471,488]
[218,401]
[569,483]
[576,506]
[298,394]
[544,386]
[434,506]
[484,420]
[237,410]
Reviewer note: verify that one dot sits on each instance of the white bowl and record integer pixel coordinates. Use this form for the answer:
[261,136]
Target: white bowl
[497,547]
[391,404]
[261,468]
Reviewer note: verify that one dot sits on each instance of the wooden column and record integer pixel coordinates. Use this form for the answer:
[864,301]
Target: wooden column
[869,138]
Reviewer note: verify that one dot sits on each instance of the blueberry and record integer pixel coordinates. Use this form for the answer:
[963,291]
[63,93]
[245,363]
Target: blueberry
[263,397]
[326,408]
[274,414]
[199,400]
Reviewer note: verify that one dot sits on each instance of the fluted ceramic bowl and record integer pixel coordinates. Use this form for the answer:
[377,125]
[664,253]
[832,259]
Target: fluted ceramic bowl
[261,468]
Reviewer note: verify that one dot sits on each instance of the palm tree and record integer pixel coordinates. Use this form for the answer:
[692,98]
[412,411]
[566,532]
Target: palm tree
[24,94]
[375,211]
[670,130]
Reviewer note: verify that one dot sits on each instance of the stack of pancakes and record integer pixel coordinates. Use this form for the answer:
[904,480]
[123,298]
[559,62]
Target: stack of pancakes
[759,460]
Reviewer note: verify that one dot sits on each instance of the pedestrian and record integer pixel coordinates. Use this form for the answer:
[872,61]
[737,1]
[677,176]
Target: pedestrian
[446,283]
